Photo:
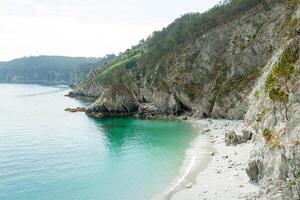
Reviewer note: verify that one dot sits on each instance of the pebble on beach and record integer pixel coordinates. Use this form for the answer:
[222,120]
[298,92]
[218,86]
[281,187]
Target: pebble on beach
[189,185]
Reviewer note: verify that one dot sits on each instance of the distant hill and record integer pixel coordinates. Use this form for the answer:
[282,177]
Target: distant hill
[47,69]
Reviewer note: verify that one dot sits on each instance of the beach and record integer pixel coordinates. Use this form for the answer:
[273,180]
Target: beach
[212,169]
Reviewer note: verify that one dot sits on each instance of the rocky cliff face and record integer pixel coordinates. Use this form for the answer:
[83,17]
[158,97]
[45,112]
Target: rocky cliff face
[274,118]
[247,67]
[209,77]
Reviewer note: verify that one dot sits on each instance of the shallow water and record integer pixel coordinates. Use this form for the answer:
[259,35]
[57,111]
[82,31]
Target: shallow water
[49,154]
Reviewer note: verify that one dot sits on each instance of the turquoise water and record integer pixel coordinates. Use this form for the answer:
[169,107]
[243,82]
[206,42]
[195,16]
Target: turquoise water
[49,154]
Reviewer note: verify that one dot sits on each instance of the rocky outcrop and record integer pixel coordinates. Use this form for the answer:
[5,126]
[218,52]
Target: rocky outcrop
[231,138]
[247,134]
[78,109]
[117,101]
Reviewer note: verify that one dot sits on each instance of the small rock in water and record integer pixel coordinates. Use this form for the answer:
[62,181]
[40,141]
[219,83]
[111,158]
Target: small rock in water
[78,109]
[212,153]
[189,185]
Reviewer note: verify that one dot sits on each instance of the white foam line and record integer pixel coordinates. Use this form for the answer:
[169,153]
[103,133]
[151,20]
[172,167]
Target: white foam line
[187,171]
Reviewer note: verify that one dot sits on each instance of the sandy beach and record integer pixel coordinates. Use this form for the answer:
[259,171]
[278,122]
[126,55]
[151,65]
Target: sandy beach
[213,170]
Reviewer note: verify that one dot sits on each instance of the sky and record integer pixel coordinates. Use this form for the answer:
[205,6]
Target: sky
[90,28]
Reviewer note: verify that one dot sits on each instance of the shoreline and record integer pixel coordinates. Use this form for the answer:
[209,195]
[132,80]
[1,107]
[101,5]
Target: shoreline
[214,171]
[197,160]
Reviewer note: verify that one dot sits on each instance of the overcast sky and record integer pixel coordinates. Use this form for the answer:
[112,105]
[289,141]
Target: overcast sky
[84,27]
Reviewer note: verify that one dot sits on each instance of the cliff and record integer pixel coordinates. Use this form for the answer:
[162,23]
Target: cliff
[209,75]
[273,118]
[240,60]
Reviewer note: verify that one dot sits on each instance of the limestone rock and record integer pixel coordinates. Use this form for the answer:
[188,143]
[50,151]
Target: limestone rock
[231,138]
[247,134]
[189,185]
[252,171]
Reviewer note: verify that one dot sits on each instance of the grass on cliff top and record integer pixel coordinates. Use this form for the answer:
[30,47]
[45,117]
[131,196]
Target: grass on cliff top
[127,61]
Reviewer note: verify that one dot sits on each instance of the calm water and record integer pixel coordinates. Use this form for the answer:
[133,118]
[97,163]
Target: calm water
[49,154]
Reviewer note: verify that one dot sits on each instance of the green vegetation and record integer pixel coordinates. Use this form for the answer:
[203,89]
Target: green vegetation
[290,23]
[267,134]
[118,69]
[260,115]
[277,94]
[295,179]
[275,142]
[272,138]
[223,86]
[45,69]
[256,94]
[277,84]
[193,25]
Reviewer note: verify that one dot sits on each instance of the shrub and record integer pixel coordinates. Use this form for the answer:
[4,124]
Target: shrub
[276,84]
[256,94]
[260,115]
[267,134]
[295,179]
[277,94]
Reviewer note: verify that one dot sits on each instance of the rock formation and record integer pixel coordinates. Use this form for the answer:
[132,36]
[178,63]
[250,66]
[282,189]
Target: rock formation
[231,138]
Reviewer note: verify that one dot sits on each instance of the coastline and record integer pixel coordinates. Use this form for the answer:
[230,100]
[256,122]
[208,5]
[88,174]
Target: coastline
[197,160]
[213,170]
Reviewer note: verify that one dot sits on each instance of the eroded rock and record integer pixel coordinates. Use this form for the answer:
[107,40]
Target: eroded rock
[252,171]
[231,138]
[247,134]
